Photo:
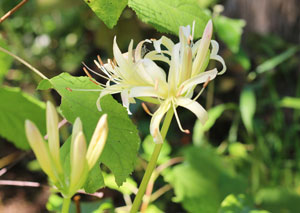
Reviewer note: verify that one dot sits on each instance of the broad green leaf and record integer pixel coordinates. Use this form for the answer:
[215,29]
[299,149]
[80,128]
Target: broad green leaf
[247,108]
[237,204]
[278,200]
[108,11]
[168,15]
[290,102]
[148,147]
[5,60]
[229,31]
[122,145]
[275,61]
[127,188]
[203,180]
[15,108]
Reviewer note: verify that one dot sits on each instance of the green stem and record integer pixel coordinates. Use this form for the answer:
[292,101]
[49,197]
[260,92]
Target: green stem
[152,163]
[66,205]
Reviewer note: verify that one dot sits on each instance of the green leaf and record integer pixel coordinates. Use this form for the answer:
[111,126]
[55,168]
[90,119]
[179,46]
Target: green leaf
[122,145]
[5,60]
[127,188]
[247,108]
[108,11]
[229,31]
[203,180]
[15,108]
[168,15]
[275,61]
[290,102]
[237,204]
[148,147]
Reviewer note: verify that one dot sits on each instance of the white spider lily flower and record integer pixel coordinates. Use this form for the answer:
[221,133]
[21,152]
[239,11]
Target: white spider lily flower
[128,71]
[187,64]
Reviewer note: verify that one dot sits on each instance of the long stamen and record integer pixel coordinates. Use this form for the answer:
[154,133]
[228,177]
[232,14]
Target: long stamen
[201,91]
[146,109]
[91,78]
[103,76]
[100,60]
[111,63]
[178,121]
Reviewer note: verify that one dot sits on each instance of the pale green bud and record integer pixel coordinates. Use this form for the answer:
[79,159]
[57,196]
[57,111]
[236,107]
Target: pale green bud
[97,142]
[77,128]
[78,163]
[40,149]
[53,134]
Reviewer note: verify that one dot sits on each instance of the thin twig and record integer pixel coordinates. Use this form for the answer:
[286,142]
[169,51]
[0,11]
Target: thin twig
[12,11]
[23,62]
[36,184]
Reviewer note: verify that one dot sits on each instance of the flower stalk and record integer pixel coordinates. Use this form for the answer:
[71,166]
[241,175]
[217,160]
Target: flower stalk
[152,163]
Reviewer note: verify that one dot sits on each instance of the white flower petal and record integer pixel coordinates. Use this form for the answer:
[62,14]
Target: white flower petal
[214,55]
[125,100]
[194,107]
[144,92]
[201,78]
[138,50]
[158,57]
[156,119]
[186,31]
[203,49]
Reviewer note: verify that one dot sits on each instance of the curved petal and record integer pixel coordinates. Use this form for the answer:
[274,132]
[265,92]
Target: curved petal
[138,50]
[124,70]
[125,100]
[158,57]
[116,88]
[214,55]
[156,119]
[144,92]
[194,107]
[168,43]
[198,79]
[153,70]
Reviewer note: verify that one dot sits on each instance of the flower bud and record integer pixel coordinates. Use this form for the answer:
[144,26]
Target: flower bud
[78,163]
[77,128]
[39,148]
[97,142]
[53,134]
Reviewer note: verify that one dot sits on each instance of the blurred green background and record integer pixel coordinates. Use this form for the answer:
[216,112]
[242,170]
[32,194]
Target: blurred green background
[249,148]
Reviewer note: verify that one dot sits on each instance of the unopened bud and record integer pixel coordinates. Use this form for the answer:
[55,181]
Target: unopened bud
[97,142]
